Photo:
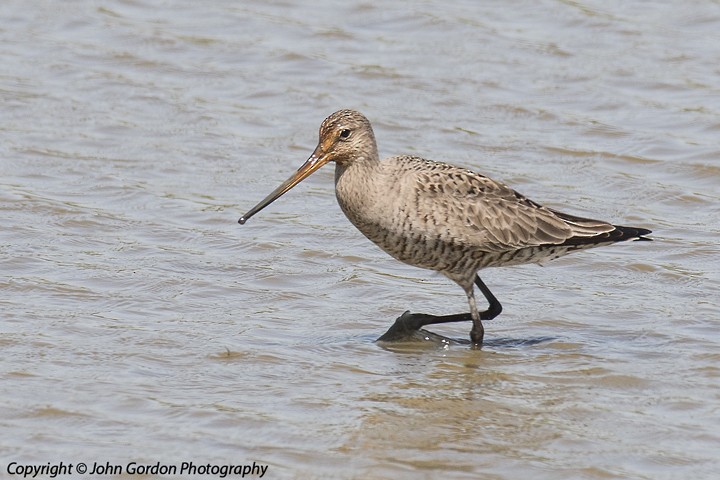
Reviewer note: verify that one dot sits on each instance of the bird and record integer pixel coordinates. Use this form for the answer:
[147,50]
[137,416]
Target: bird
[442,217]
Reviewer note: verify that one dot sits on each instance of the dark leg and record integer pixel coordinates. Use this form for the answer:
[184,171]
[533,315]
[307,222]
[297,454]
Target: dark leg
[495,307]
[410,322]
[478,331]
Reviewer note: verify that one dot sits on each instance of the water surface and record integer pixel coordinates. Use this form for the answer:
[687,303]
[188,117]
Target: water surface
[140,322]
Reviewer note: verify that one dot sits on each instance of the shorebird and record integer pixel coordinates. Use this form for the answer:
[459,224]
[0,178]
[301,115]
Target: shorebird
[441,217]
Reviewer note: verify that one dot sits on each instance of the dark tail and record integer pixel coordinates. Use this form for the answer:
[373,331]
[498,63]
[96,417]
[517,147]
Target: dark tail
[617,234]
[621,234]
[604,235]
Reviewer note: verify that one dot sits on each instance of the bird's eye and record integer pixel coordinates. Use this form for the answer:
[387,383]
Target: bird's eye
[344,133]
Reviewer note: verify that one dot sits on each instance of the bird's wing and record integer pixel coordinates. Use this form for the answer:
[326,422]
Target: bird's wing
[475,209]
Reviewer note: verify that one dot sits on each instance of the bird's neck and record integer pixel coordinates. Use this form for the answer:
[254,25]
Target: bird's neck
[355,188]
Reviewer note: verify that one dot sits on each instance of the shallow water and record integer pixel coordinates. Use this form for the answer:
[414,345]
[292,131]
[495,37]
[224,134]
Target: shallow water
[141,323]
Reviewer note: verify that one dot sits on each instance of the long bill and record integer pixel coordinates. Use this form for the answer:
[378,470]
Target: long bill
[316,160]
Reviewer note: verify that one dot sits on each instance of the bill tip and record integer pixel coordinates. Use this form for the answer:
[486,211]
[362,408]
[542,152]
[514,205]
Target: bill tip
[242,220]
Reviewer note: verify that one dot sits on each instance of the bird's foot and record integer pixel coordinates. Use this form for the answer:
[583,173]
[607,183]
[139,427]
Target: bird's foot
[409,324]
[405,325]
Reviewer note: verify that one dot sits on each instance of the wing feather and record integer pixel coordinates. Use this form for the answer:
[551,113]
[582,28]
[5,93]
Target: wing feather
[476,210]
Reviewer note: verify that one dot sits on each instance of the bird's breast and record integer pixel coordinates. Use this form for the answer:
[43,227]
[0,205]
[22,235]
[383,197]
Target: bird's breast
[386,208]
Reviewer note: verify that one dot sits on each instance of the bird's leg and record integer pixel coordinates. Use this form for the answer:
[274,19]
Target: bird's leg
[478,331]
[410,322]
[495,308]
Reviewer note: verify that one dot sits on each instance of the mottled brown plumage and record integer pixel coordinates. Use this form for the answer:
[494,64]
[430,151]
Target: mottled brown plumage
[442,217]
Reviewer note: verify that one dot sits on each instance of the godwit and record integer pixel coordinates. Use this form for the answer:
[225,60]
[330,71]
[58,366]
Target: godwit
[442,217]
